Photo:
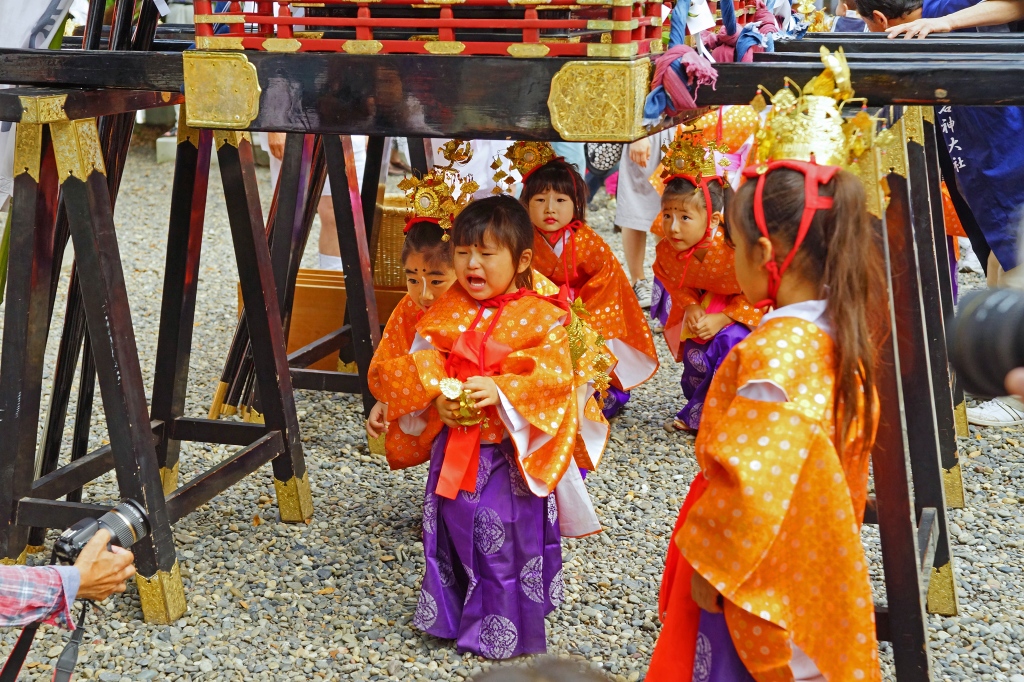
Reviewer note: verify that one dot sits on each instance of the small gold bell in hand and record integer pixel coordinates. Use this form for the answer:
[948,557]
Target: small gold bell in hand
[467,414]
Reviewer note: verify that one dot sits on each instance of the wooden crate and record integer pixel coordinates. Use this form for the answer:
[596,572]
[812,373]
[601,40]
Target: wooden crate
[319,309]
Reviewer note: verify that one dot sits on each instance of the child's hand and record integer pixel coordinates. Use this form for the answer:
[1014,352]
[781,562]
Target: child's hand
[691,315]
[448,410]
[483,391]
[709,325]
[704,595]
[377,422]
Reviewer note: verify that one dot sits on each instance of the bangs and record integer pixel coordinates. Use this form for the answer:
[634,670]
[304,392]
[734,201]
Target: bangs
[560,177]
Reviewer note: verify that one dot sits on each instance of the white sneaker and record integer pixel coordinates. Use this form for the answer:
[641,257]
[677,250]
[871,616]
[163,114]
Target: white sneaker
[968,259]
[994,413]
[642,289]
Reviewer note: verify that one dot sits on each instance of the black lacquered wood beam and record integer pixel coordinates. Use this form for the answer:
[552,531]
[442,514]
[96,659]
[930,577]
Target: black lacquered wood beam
[323,380]
[215,431]
[33,511]
[160,71]
[17,103]
[321,348]
[211,482]
[87,468]
[900,82]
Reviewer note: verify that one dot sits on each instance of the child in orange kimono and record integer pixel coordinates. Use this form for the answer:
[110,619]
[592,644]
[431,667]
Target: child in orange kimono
[427,259]
[492,358]
[708,314]
[575,258]
[768,542]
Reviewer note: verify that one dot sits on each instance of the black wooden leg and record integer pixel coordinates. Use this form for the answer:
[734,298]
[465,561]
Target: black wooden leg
[951,471]
[63,378]
[263,316]
[26,323]
[925,363]
[421,155]
[181,279]
[897,518]
[83,411]
[355,257]
[108,317]
[375,177]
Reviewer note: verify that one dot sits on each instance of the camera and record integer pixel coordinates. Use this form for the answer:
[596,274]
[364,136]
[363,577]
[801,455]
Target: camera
[127,524]
[986,340]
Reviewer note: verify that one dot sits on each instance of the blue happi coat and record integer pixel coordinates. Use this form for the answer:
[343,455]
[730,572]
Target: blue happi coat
[986,145]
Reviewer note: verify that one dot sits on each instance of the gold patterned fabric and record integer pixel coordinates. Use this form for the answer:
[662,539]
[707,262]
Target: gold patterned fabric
[777,530]
[536,377]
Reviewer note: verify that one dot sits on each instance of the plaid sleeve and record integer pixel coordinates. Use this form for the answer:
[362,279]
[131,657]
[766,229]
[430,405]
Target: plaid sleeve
[34,594]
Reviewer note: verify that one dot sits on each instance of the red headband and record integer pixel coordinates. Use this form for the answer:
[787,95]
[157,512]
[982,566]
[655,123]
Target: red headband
[814,177]
[416,219]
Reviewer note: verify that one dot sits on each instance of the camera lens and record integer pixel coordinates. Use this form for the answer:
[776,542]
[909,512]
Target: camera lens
[986,340]
[126,522]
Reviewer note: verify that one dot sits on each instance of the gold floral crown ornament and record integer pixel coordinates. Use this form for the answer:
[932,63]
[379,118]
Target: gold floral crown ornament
[691,157]
[807,123]
[433,195]
[524,157]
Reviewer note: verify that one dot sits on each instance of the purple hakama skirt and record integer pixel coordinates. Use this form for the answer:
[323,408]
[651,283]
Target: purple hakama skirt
[493,559]
[700,362]
[716,659]
[661,302]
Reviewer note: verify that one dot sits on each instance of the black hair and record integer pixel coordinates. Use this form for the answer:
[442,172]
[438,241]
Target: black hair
[890,9]
[426,238]
[562,177]
[681,188]
[506,221]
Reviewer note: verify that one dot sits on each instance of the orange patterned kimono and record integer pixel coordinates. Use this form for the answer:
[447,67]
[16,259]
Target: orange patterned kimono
[716,274]
[604,288]
[536,378]
[402,449]
[777,531]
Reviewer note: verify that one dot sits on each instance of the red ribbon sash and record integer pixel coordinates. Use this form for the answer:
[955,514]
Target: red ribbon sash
[472,355]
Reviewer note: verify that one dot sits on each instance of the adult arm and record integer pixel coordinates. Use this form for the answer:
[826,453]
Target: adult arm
[987,13]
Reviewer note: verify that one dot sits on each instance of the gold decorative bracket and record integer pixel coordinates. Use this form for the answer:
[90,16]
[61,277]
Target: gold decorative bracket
[76,144]
[942,598]
[913,124]
[893,146]
[294,499]
[169,479]
[230,137]
[953,483]
[599,100]
[44,109]
[222,90]
[28,149]
[162,596]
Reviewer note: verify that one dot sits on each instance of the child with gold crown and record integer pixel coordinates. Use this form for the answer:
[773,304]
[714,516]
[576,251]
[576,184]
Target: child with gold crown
[766,577]
[574,257]
[496,363]
[708,314]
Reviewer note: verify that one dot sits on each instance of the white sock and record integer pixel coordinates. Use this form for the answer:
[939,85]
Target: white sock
[330,262]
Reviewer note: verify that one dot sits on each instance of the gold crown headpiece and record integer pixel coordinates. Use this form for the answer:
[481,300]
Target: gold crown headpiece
[690,156]
[433,195]
[806,123]
[524,157]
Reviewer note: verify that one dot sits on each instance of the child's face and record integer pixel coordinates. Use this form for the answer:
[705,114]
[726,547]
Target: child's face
[550,210]
[487,270]
[685,221]
[750,271]
[425,282]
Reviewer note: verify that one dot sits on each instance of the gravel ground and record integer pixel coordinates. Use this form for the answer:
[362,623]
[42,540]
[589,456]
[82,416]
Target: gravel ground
[334,599]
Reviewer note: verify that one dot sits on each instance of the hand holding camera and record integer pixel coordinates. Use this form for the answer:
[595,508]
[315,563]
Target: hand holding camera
[104,568]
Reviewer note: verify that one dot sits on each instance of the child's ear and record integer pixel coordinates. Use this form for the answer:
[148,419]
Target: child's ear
[765,252]
[524,261]
[716,219]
